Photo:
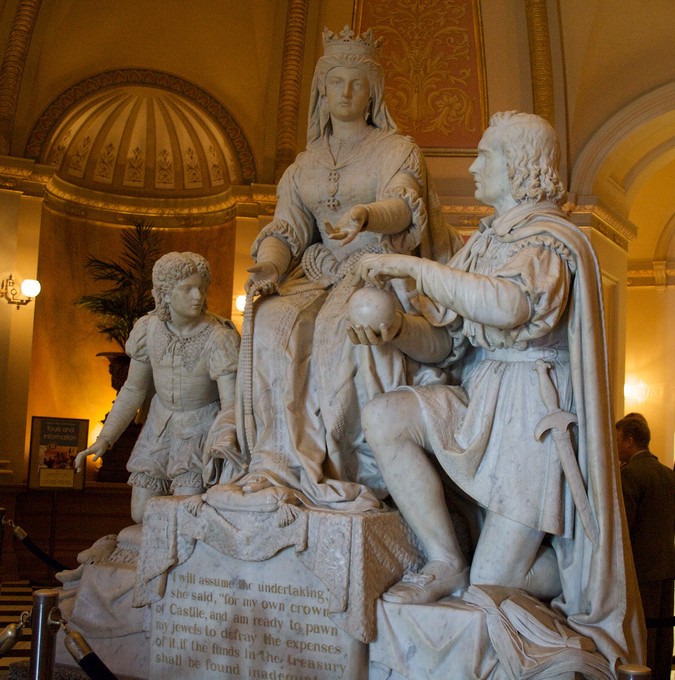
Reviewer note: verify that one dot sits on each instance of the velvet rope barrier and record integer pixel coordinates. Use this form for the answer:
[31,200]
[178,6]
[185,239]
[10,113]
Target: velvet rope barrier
[23,537]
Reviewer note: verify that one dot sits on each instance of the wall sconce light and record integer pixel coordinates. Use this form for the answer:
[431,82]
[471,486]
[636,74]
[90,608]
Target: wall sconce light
[240,303]
[636,391]
[30,288]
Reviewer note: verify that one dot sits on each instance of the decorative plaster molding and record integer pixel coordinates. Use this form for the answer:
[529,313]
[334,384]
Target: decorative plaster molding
[291,82]
[465,216]
[651,273]
[540,59]
[615,130]
[25,176]
[64,197]
[59,108]
[587,211]
[13,63]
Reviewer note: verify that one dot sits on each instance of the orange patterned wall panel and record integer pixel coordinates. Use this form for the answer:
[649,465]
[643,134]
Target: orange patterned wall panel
[434,64]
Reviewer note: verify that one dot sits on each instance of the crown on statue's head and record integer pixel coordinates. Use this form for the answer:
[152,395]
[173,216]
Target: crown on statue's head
[348,42]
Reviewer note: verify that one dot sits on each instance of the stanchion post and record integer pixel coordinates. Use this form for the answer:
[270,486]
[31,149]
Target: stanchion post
[43,638]
[634,672]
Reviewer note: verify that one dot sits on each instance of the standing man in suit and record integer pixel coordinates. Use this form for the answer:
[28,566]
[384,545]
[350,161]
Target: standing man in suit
[649,497]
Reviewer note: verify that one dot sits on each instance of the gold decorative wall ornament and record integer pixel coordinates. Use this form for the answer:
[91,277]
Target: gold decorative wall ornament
[432,55]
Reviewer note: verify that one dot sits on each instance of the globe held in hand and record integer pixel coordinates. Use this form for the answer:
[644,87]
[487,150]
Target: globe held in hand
[371,306]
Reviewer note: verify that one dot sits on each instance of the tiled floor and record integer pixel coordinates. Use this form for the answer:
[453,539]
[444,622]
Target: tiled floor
[15,597]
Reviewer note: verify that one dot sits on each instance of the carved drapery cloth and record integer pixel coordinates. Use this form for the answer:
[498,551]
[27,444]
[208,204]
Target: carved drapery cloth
[357,556]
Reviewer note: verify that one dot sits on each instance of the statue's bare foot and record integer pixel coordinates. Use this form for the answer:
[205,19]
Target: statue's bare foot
[254,482]
[434,581]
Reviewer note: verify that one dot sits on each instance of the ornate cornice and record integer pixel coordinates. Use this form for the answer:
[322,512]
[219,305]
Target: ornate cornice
[584,212]
[69,199]
[28,177]
[587,211]
[465,217]
[23,175]
[651,273]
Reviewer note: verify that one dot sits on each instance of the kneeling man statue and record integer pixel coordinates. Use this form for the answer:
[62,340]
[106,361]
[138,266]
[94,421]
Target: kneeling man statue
[527,434]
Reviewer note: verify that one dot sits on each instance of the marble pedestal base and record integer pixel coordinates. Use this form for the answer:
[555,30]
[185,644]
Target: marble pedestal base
[491,633]
[221,617]
[240,594]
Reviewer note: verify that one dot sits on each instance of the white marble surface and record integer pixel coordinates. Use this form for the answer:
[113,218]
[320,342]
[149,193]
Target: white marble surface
[222,617]
[527,434]
[488,634]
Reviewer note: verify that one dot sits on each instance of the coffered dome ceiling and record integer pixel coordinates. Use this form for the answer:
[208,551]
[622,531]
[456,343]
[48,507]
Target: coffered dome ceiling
[143,149]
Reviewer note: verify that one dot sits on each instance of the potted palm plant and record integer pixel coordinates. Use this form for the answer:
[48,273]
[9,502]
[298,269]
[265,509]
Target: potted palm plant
[117,308]
[129,295]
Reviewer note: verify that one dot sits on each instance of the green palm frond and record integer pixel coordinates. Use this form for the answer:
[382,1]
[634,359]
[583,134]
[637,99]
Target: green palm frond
[129,295]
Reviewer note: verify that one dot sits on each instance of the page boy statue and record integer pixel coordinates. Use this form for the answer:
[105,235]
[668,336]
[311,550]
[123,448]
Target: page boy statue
[189,356]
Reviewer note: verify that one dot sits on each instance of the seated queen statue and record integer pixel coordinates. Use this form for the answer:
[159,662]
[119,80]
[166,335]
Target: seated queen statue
[359,187]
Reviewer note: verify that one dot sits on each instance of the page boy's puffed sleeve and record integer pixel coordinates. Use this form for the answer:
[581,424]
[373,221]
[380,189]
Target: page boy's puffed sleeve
[137,344]
[223,348]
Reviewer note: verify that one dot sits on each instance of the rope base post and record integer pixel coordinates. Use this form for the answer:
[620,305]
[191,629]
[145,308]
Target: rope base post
[43,638]
[634,672]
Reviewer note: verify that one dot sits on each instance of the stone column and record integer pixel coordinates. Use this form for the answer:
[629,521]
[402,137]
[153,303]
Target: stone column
[540,59]
[291,80]
[12,67]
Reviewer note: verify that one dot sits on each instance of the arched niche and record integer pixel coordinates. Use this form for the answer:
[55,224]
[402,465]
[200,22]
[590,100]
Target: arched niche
[125,145]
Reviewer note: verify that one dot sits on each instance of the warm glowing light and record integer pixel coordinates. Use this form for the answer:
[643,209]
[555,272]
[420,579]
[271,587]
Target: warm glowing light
[636,391]
[30,287]
[240,303]
[94,433]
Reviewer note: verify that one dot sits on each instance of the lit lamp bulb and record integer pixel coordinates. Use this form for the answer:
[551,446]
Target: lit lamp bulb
[30,288]
[240,303]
